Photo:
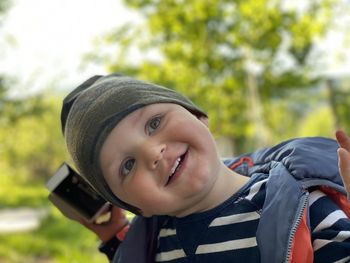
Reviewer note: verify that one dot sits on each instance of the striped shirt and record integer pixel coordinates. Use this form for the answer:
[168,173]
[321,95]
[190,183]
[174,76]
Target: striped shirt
[227,233]
[330,229]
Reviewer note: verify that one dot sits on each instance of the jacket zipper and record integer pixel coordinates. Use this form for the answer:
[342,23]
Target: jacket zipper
[300,212]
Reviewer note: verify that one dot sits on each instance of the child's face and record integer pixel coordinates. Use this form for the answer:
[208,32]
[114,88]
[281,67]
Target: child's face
[140,155]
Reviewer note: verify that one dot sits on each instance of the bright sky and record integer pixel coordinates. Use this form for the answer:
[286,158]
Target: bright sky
[50,37]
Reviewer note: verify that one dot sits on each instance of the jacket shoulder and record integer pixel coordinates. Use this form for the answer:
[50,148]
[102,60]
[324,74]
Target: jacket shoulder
[304,158]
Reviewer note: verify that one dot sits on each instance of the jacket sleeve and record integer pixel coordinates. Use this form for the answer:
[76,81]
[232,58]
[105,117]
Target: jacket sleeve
[330,227]
[139,243]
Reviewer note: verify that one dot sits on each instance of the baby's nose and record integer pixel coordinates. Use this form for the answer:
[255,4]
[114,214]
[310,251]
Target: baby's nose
[155,154]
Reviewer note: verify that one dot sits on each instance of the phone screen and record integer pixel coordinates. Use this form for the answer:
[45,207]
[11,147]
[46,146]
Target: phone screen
[74,190]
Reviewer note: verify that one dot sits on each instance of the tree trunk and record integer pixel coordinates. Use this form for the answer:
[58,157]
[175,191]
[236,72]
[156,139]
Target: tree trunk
[256,112]
[332,100]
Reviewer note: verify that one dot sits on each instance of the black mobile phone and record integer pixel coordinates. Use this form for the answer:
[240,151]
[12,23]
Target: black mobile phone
[74,196]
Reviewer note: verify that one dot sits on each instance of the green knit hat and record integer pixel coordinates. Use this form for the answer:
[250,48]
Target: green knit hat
[91,111]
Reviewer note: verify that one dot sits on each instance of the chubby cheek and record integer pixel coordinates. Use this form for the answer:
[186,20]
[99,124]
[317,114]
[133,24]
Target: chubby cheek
[202,178]
[142,194]
[151,199]
[203,169]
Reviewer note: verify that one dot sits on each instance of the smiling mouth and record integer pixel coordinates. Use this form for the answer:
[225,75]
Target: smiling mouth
[176,168]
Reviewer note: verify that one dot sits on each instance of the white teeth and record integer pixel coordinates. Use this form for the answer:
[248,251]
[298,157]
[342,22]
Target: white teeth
[175,165]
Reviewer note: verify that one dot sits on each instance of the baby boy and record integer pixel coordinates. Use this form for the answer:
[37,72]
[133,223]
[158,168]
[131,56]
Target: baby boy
[148,149]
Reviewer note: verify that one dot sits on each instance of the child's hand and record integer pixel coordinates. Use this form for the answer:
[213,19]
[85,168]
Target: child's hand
[107,230]
[344,158]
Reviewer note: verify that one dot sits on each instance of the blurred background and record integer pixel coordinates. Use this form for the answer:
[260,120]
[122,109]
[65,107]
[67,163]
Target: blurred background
[264,70]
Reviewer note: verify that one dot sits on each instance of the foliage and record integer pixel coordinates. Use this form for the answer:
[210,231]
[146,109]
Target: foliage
[340,100]
[32,145]
[317,122]
[236,59]
[4,5]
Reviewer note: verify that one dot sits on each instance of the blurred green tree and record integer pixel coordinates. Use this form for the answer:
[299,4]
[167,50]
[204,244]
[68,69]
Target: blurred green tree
[32,146]
[339,97]
[12,108]
[4,5]
[240,60]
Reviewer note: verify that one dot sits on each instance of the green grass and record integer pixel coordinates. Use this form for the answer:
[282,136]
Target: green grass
[57,240]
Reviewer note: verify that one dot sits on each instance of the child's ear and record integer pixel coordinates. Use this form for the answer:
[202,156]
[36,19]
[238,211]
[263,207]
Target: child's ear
[204,120]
